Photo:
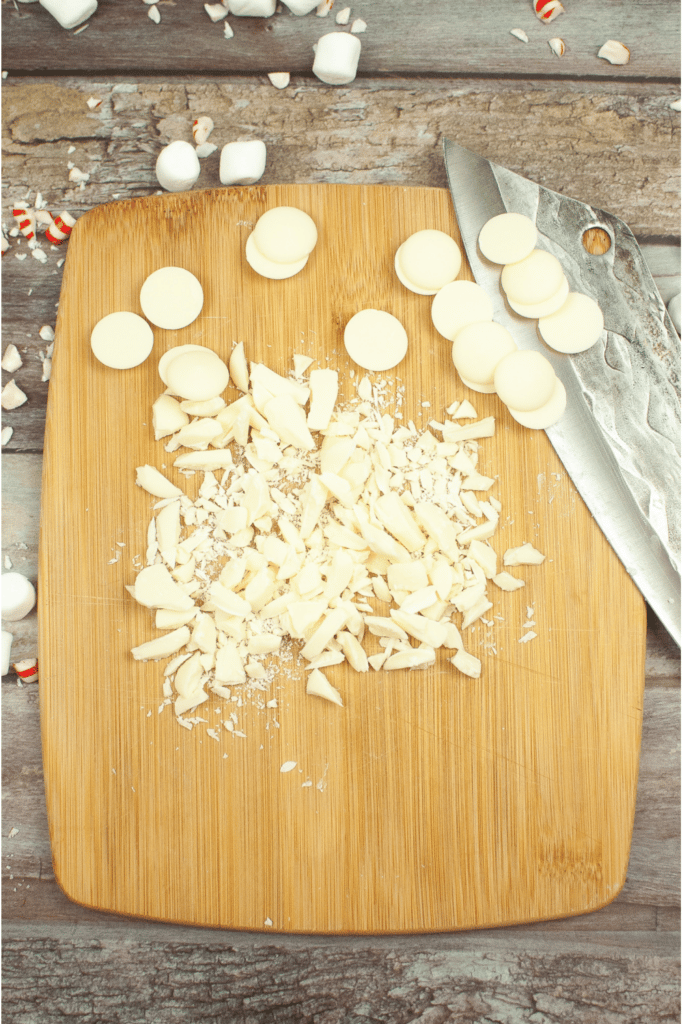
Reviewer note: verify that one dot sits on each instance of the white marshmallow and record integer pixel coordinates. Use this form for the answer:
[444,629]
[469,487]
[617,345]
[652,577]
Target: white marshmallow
[336,58]
[301,6]
[242,163]
[253,8]
[18,596]
[177,166]
[70,13]
[7,639]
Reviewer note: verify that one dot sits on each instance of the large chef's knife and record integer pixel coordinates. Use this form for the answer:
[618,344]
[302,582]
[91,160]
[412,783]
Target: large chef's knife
[619,438]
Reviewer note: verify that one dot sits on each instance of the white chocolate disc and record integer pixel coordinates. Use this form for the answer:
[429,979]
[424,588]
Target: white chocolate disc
[375,340]
[197,375]
[430,259]
[483,389]
[524,380]
[534,279]
[548,414]
[171,354]
[285,234]
[477,350]
[171,298]
[458,304]
[122,340]
[267,268]
[404,280]
[550,305]
[508,238]
[575,326]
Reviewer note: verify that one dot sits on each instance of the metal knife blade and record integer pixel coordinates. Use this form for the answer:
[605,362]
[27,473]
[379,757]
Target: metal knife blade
[619,438]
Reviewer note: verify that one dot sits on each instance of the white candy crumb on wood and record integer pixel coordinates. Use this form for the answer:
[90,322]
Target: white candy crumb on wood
[614,52]
[359,25]
[519,33]
[11,360]
[288,766]
[280,79]
[6,435]
[12,833]
[324,8]
[467,664]
[227,31]
[676,105]
[94,102]
[153,14]
[46,333]
[557,46]
[527,554]
[216,11]
[343,16]
[268,922]
[527,636]
[12,396]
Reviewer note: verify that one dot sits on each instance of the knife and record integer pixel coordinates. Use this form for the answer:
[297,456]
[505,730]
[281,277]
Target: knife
[619,439]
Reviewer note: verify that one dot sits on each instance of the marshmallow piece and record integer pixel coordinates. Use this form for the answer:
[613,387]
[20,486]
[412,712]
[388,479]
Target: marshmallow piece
[285,234]
[430,259]
[242,163]
[508,238]
[524,380]
[18,596]
[121,340]
[300,7]
[268,268]
[177,166]
[477,350]
[252,8]
[375,340]
[336,58]
[458,304]
[548,414]
[70,13]
[534,279]
[7,639]
[172,297]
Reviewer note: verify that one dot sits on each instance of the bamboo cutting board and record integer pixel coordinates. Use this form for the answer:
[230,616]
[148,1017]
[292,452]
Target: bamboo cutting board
[431,801]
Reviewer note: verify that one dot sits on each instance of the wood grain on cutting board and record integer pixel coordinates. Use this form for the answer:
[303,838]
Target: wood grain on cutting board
[436,802]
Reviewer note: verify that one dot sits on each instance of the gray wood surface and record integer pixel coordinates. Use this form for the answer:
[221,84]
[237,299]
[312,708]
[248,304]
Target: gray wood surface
[428,37]
[606,135]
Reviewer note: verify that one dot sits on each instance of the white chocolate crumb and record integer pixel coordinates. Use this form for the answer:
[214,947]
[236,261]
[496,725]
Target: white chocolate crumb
[359,25]
[288,766]
[12,396]
[280,79]
[519,33]
[614,52]
[153,14]
[342,17]
[557,46]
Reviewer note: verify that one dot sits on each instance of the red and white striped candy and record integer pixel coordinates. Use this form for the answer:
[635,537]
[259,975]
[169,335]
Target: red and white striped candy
[4,245]
[60,228]
[27,670]
[26,221]
[547,10]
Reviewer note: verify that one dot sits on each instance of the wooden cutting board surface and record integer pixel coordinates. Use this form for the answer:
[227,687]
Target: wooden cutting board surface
[431,801]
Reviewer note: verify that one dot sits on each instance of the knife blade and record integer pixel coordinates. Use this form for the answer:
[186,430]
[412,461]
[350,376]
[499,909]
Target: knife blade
[619,439]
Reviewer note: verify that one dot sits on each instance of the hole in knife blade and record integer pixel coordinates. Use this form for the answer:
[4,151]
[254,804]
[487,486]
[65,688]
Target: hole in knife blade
[596,241]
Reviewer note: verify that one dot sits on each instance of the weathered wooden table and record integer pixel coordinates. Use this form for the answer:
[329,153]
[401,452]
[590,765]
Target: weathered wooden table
[608,135]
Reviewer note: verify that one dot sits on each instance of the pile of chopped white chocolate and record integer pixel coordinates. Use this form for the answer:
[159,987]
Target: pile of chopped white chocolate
[294,550]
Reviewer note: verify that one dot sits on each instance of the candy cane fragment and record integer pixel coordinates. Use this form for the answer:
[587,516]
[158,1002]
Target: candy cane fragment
[60,228]
[548,10]
[27,670]
[26,221]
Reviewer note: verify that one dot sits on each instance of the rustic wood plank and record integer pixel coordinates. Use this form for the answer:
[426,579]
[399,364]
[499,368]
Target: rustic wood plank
[120,980]
[425,37]
[617,148]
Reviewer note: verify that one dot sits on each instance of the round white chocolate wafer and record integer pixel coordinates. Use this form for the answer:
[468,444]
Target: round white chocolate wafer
[285,234]
[483,389]
[477,350]
[458,304]
[121,340]
[540,309]
[534,279]
[508,238]
[268,268]
[548,414]
[429,259]
[375,340]
[575,326]
[197,375]
[171,298]
[171,354]
[404,280]
[524,380]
